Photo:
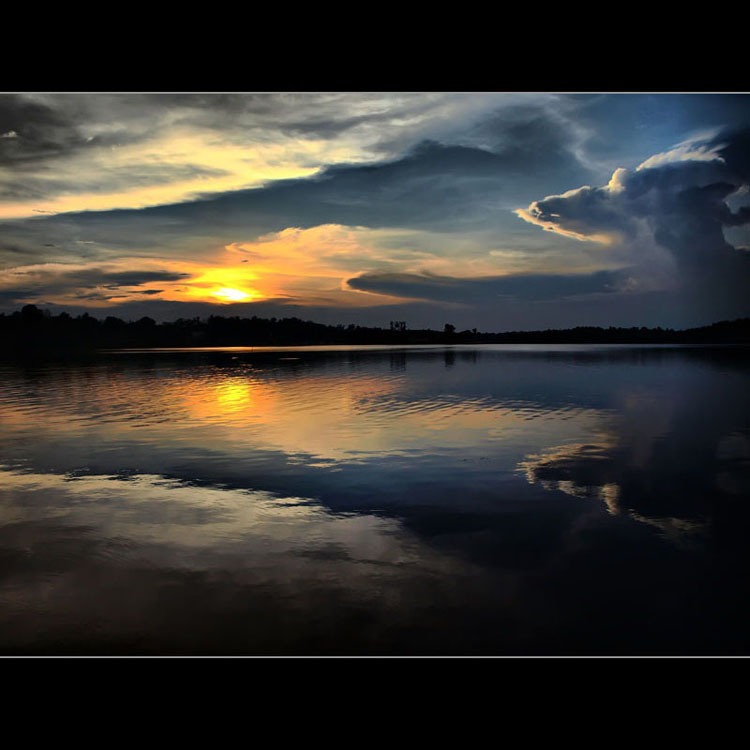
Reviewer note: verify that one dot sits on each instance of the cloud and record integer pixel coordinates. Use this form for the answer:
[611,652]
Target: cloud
[70,283]
[526,287]
[406,196]
[434,186]
[40,131]
[308,266]
[329,266]
[674,202]
[104,151]
[136,278]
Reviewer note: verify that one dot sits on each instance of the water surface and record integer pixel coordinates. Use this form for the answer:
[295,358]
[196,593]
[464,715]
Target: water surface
[342,500]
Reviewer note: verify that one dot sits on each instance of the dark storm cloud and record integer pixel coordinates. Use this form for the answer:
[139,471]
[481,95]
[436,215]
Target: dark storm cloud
[481,291]
[680,198]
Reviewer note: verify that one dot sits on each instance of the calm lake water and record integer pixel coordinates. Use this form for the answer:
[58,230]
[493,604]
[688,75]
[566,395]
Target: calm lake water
[493,500]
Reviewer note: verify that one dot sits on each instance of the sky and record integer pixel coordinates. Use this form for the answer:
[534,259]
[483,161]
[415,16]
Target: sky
[496,211]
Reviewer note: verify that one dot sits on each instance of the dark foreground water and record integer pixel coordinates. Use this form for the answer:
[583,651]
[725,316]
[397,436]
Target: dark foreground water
[476,500]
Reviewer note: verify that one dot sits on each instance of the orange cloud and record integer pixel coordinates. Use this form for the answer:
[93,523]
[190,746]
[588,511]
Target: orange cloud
[307,266]
[310,266]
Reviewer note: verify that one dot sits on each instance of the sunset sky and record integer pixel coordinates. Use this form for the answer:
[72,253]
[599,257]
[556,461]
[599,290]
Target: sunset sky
[490,210]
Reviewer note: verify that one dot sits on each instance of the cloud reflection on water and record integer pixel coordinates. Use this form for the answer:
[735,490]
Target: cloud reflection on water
[389,502]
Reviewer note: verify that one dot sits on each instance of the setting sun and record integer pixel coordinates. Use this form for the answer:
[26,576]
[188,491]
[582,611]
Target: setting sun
[231,295]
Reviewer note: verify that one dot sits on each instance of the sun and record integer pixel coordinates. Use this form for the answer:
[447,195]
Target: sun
[231,295]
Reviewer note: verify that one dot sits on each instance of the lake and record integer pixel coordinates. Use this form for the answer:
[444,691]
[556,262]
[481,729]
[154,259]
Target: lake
[478,500]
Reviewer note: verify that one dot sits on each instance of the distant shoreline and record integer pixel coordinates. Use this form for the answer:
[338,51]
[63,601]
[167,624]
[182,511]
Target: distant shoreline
[393,347]
[35,331]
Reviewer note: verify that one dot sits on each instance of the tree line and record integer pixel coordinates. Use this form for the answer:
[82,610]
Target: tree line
[34,330]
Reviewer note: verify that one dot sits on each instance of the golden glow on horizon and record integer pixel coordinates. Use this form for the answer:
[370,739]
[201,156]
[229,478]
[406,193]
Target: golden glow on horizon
[304,267]
[220,283]
[231,295]
[307,266]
